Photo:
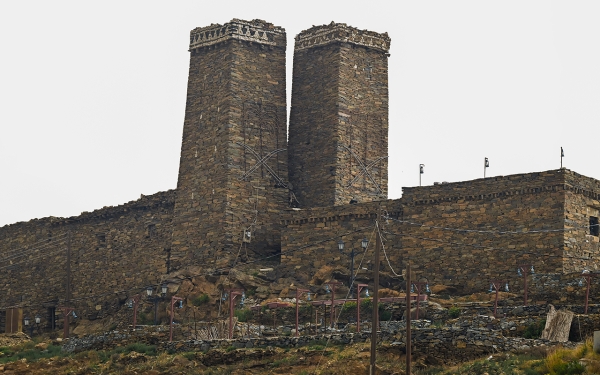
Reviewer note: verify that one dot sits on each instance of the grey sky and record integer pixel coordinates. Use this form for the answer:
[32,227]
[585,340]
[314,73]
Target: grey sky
[93,93]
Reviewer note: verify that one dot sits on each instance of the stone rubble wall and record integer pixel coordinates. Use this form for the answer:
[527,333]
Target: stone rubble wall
[447,344]
[113,250]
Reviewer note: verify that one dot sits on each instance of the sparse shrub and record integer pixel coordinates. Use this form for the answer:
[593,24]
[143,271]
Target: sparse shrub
[366,304]
[570,368]
[534,330]
[349,306]
[454,312]
[243,315]
[385,315]
[200,300]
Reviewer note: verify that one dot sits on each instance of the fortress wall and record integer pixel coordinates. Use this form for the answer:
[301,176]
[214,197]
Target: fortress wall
[582,204]
[322,228]
[112,249]
[468,260]
[465,260]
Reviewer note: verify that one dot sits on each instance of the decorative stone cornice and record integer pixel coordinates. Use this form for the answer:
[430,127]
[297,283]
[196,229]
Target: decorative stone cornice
[256,31]
[341,33]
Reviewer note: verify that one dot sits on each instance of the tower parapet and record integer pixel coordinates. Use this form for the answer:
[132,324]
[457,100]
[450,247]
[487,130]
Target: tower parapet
[256,31]
[340,32]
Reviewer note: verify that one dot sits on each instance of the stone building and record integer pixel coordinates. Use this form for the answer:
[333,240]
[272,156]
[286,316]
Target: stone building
[243,186]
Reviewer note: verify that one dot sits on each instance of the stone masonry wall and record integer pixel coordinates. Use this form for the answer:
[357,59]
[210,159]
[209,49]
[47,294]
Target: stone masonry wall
[235,117]
[113,249]
[460,234]
[581,243]
[338,122]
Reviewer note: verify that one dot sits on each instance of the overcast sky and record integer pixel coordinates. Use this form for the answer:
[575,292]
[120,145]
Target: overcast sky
[93,93]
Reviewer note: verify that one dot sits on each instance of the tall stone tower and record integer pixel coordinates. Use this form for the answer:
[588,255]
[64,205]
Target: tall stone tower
[233,166]
[339,118]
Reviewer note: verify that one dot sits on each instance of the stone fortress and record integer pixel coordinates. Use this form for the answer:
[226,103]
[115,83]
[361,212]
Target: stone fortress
[250,192]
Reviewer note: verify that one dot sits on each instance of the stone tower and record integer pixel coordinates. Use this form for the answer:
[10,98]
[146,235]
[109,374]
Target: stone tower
[339,117]
[233,166]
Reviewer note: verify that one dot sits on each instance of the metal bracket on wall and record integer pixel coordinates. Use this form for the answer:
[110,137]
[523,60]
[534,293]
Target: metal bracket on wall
[364,169]
[262,161]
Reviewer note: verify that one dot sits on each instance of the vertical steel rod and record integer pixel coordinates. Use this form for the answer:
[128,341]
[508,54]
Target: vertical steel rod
[408,333]
[375,314]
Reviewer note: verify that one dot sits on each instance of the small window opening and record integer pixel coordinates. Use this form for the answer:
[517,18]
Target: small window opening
[151,231]
[594,226]
[101,237]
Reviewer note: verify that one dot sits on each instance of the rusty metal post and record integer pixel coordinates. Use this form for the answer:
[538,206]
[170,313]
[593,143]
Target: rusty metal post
[135,299]
[332,286]
[524,268]
[359,287]
[298,294]
[408,333]
[173,301]
[375,301]
[232,294]
[588,278]
[66,311]
[496,284]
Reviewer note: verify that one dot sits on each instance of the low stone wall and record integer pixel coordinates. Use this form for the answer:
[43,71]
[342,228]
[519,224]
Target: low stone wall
[446,344]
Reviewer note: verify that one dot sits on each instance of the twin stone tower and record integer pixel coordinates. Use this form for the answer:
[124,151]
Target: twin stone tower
[239,167]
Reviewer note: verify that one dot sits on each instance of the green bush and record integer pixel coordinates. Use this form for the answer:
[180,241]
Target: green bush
[454,312]
[571,368]
[366,304]
[534,330]
[200,300]
[349,306]
[385,315]
[243,315]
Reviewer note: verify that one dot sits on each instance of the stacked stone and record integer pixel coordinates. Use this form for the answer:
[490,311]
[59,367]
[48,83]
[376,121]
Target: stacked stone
[233,167]
[508,221]
[339,117]
[112,249]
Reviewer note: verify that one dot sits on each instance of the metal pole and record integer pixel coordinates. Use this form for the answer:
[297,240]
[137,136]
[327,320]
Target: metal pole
[408,333]
[375,300]
[68,267]
[156,301]
[171,321]
[331,308]
[358,310]
[418,298]
[587,292]
[496,302]
[230,314]
[297,297]
[525,277]
[351,271]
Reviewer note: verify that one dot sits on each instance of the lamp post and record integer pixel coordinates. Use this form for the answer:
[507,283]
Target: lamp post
[331,288]
[587,275]
[133,303]
[156,299]
[495,285]
[359,288]
[174,300]
[232,294]
[420,285]
[299,292]
[352,254]
[30,326]
[523,270]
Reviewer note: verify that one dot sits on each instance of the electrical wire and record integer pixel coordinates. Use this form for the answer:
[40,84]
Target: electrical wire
[463,230]
[206,273]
